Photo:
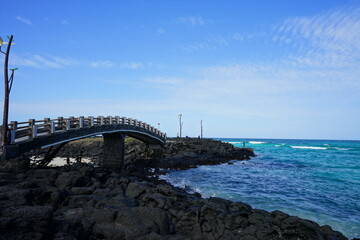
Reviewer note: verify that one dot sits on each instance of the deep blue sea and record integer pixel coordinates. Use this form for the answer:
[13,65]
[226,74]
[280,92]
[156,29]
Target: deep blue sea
[313,179]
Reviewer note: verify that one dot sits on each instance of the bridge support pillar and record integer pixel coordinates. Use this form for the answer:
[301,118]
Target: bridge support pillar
[10,151]
[113,157]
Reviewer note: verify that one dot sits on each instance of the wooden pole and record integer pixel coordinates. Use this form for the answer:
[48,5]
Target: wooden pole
[5,140]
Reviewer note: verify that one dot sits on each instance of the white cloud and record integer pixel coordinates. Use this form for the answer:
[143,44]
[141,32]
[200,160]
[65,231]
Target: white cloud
[165,80]
[199,46]
[50,61]
[42,61]
[64,22]
[330,40]
[160,31]
[23,20]
[102,64]
[132,65]
[194,21]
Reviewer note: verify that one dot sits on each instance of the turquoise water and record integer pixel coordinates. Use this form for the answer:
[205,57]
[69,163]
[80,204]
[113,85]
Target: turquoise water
[313,179]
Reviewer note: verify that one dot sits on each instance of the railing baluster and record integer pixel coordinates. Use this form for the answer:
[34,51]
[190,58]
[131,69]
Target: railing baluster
[33,128]
[13,125]
[52,127]
[81,121]
[36,129]
[68,124]
[47,125]
[91,121]
[61,123]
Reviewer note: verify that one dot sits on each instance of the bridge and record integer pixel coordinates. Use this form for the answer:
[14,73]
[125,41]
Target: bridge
[49,133]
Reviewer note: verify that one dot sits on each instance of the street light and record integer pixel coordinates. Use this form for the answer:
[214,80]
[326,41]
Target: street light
[8,85]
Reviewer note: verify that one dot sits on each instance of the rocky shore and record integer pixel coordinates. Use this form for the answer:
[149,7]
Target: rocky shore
[81,201]
[178,153]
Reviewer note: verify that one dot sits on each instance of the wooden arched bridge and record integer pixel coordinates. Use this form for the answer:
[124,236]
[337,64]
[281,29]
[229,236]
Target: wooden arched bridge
[39,134]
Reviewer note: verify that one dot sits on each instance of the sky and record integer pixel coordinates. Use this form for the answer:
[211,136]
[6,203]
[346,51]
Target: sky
[248,69]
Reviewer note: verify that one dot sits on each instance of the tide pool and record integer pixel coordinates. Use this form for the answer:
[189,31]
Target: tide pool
[314,179]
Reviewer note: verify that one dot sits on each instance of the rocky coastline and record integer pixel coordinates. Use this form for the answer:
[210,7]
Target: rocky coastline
[81,201]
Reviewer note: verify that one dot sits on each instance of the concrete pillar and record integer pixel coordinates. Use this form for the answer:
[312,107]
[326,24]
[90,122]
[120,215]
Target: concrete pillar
[113,157]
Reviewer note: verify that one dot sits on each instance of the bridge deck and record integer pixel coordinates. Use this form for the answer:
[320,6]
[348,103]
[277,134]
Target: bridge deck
[36,134]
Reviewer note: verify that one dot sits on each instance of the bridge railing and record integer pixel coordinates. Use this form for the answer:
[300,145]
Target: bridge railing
[23,131]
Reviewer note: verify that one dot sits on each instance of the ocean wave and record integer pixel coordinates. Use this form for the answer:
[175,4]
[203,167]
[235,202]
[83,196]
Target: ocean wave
[254,142]
[342,149]
[308,147]
[234,142]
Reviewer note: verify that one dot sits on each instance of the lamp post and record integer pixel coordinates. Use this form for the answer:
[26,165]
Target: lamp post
[180,123]
[8,84]
[201,129]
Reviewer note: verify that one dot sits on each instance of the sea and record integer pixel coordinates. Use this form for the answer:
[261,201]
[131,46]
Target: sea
[317,180]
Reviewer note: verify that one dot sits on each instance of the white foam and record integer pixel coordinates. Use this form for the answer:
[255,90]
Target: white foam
[343,149]
[254,142]
[234,142]
[277,145]
[307,147]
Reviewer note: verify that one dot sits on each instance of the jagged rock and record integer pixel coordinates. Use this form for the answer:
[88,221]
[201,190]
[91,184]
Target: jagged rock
[81,202]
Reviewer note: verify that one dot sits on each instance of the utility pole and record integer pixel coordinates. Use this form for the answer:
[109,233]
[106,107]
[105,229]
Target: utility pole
[8,85]
[201,128]
[180,123]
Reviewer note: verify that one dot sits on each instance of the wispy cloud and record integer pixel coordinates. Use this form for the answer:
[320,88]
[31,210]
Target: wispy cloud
[64,22]
[42,61]
[50,61]
[211,44]
[165,80]
[132,65]
[160,31]
[23,20]
[192,20]
[326,40]
[102,64]
[197,47]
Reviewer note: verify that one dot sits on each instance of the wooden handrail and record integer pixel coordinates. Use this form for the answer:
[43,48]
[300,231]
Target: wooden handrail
[32,128]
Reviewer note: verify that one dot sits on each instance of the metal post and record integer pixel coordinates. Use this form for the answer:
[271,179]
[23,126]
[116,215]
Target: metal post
[181,124]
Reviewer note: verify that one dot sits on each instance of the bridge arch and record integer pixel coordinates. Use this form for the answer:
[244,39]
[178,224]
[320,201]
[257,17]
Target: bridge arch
[39,134]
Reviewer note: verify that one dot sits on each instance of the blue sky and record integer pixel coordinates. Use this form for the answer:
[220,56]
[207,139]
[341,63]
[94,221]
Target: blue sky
[261,69]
